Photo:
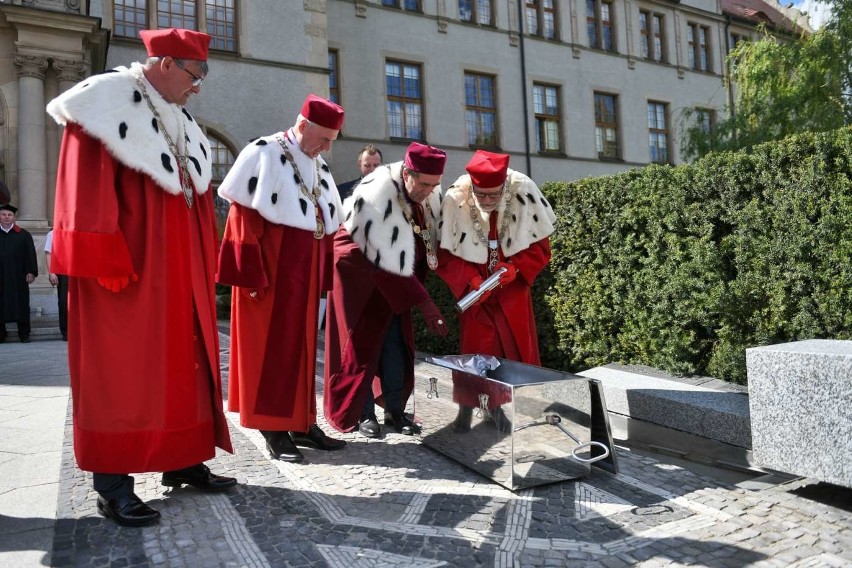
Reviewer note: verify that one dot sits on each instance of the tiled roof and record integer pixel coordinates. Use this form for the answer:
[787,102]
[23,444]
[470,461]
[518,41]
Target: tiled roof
[760,12]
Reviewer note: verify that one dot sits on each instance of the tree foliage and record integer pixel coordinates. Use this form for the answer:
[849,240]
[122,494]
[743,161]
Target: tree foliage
[783,88]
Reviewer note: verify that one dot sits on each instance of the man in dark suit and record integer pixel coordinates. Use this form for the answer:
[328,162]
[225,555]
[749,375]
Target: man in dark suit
[369,158]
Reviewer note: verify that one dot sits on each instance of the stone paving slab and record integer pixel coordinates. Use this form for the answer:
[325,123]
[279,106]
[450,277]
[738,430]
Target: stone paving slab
[394,502]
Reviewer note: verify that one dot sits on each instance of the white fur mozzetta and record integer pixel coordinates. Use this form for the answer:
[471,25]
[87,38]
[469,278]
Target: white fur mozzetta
[531,219]
[377,224]
[110,107]
[262,179]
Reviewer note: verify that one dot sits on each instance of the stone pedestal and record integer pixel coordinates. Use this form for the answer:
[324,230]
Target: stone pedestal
[800,395]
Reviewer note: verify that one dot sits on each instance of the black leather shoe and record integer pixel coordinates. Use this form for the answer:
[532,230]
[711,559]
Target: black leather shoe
[200,477]
[316,438]
[463,419]
[128,511]
[400,422]
[281,447]
[369,427]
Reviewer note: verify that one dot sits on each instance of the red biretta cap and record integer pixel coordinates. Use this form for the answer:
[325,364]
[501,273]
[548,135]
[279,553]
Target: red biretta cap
[177,43]
[325,113]
[487,169]
[425,159]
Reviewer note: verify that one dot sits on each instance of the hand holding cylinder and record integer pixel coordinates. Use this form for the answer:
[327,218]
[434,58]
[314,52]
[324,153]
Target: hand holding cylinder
[474,295]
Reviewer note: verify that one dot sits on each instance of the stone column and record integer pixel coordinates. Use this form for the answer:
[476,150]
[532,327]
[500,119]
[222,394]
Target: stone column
[32,171]
[68,72]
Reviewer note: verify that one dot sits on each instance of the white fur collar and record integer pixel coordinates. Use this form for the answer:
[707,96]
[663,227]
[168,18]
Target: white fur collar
[531,219]
[263,180]
[377,224]
[110,107]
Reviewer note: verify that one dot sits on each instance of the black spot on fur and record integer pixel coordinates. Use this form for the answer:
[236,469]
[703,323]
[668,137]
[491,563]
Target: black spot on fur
[355,230]
[167,162]
[155,126]
[274,198]
[535,236]
[531,197]
[195,163]
[521,199]
[284,163]
[203,150]
[252,184]
[137,96]
[402,260]
[461,240]
[189,116]
[122,130]
[394,234]
[514,218]
[378,258]
[359,203]
[366,181]
[509,243]
[367,227]
[331,210]
[260,142]
[388,210]
[325,168]
[546,203]
[349,215]
[440,225]
[304,205]
[296,177]
[535,218]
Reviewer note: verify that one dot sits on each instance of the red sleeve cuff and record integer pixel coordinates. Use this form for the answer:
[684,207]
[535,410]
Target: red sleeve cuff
[241,265]
[92,255]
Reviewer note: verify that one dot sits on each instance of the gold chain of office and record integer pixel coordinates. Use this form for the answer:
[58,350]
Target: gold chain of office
[183,171]
[493,255]
[425,234]
[312,194]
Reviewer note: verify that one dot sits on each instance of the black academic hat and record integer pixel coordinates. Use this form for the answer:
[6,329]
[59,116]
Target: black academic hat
[8,207]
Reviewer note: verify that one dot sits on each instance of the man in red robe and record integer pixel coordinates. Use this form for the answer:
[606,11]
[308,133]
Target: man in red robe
[135,231]
[276,253]
[381,255]
[494,218]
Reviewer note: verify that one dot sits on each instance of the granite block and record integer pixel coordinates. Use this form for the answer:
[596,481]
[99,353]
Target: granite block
[713,414]
[801,408]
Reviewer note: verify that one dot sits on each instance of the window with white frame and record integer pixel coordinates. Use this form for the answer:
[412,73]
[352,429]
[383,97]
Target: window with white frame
[480,110]
[658,132]
[548,117]
[404,100]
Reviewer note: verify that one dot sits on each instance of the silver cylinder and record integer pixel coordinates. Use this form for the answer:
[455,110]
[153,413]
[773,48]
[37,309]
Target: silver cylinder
[473,296]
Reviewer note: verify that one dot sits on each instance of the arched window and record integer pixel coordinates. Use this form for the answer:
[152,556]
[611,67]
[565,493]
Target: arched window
[223,159]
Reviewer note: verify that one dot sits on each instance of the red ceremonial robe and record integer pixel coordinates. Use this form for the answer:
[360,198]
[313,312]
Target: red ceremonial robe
[364,299]
[144,362]
[504,324]
[272,383]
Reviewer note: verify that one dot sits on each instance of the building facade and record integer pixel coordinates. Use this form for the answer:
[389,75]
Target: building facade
[568,88]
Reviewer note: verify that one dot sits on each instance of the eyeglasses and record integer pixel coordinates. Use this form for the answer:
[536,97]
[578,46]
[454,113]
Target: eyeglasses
[196,80]
[490,195]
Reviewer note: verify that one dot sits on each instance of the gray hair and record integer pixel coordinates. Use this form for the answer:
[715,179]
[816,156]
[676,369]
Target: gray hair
[202,65]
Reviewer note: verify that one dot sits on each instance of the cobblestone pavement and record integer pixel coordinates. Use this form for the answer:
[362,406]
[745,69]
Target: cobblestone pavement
[394,502]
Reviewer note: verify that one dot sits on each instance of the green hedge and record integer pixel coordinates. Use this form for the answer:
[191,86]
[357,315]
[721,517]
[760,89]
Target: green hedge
[684,268]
